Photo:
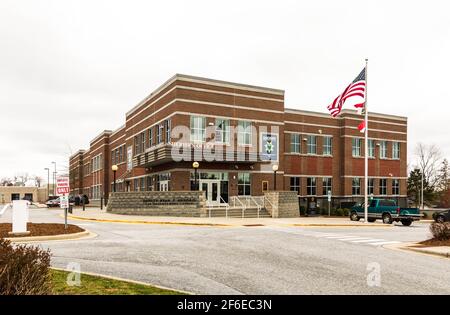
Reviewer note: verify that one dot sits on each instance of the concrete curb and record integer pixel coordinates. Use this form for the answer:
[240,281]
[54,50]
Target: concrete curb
[60,237]
[422,251]
[148,222]
[127,280]
[343,225]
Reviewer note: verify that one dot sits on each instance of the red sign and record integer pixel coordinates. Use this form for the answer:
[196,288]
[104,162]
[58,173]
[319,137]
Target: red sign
[62,186]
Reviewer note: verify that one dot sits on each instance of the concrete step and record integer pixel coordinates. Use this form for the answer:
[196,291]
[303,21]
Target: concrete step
[237,213]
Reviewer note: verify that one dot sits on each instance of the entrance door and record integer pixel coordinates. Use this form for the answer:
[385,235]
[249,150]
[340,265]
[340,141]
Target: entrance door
[164,185]
[15,196]
[212,190]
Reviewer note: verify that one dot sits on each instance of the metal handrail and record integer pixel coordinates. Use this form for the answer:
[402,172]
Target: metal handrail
[268,201]
[236,198]
[258,206]
[212,205]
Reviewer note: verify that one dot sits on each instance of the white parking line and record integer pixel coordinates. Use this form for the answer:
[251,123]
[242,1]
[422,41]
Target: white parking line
[352,239]
[367,240]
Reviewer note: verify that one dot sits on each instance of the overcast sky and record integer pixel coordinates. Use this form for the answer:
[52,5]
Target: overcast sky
[70,69]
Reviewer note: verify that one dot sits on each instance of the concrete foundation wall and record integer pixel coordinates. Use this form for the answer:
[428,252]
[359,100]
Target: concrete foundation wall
[159,203]
[283,204]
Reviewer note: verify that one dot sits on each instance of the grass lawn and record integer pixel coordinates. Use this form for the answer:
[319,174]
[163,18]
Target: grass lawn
[92,285]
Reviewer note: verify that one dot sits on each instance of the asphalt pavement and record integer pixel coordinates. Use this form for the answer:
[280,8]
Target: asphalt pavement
[273,259]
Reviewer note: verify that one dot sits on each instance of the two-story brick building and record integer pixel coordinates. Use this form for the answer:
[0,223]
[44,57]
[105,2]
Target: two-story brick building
[237,133]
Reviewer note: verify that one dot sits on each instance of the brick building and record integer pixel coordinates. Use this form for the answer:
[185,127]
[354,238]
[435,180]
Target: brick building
[238,133]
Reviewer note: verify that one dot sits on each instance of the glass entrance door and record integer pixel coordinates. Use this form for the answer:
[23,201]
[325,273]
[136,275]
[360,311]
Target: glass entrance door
[212,189]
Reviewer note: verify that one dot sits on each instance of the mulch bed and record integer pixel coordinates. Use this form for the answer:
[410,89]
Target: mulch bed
[42,229]
[435,242]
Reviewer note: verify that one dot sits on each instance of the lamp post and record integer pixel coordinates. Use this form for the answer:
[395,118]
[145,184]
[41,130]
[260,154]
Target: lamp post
[114,169]
[275,169]
[54,180]
[48,182]
[195,165]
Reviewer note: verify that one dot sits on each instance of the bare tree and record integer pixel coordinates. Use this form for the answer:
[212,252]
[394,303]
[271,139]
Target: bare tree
[37,179]
[6,181]
[429,160]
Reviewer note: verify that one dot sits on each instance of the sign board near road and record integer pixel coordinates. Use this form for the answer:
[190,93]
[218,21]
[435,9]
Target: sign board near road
[329,196]
[64,202]
[62,186]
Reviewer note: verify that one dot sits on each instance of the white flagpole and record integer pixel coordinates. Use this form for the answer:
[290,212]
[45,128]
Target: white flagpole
[366,155]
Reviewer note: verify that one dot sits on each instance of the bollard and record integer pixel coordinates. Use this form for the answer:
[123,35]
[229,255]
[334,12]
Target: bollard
[82,202]
[101,203]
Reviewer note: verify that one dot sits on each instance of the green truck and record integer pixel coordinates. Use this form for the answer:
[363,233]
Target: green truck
[386,210]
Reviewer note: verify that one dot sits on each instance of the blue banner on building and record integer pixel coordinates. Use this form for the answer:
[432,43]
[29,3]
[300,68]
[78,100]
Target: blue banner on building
[269,147]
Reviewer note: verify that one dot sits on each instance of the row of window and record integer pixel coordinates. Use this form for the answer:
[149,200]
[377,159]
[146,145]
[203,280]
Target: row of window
[222,130]
[311,186]
[311,144]
[118,155]
[97,163]
[152,136]
[357,144]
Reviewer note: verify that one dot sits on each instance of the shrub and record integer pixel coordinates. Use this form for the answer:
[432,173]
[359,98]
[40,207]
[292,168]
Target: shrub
[346,212]
[339,212]
[24,270]
[424,215]
[440,231]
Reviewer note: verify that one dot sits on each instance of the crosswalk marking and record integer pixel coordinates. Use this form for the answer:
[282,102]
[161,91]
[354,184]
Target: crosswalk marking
[355,239]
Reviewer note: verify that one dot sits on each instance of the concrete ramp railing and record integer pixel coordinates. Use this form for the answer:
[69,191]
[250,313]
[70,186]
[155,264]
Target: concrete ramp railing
[3,210]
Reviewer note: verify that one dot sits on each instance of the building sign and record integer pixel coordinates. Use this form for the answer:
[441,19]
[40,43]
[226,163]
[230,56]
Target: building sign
[62,186]
[269,146]
[129,158]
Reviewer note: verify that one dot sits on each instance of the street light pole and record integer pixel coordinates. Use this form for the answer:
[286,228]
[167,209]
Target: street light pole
[421,192]
[275,169]
[54,180]
[195,165]
[48,182]
[114,169]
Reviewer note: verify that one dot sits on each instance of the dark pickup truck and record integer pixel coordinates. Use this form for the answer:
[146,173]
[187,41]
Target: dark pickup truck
[386,210]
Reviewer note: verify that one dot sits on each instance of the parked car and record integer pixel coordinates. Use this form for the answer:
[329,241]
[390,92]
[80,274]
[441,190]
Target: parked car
[77,200]
[54,202]
[442,216]
[386,210]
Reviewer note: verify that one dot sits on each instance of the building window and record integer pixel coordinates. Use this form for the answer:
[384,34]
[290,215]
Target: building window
[371,148]
[139,143]
[97,163]
[326,185]
[149,183]
[198,129]
[295,184]
[113,157]
[150,138]
[327,145]
[142,184]
[356,186]
[396,150]
[311,186]
[168,123]
[159,135]
[383,186]
[265,186]
[371,184]
[136,184]
[383,150]
[311,144]
[356,147]
[222,131]
[395,187]
[244,184]
[121,156]
[295,143]
[244,132]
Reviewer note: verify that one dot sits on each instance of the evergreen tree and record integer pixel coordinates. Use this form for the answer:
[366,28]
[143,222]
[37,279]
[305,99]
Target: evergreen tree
[414,188]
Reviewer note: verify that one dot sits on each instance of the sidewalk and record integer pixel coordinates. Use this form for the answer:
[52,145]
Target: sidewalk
[443,251]
[95,214]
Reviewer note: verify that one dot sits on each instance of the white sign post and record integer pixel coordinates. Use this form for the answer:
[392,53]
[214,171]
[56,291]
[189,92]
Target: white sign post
[20,218]
[329,203]
[63,190]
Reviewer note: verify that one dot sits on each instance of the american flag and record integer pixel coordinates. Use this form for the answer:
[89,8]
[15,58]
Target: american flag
[356,89]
